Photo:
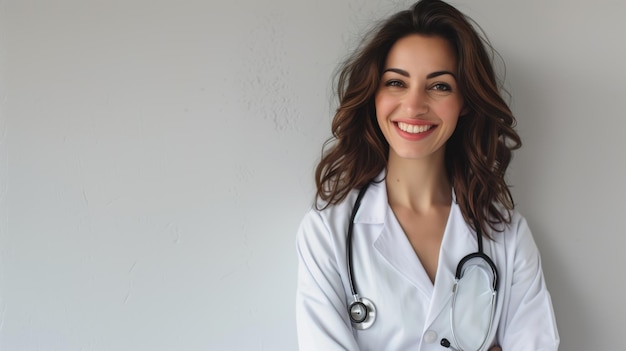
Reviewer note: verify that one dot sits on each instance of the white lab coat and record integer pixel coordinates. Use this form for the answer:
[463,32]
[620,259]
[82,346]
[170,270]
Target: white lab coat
[412,314]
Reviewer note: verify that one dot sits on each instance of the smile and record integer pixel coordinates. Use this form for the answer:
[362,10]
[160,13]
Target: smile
[413,128]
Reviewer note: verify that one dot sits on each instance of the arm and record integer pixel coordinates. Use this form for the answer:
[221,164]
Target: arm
[321,311]
[529,322]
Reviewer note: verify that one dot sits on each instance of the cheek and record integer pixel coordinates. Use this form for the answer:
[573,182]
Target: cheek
[383,106]
[452,110]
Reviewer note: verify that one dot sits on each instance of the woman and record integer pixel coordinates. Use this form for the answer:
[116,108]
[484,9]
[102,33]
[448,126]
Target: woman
[422,140]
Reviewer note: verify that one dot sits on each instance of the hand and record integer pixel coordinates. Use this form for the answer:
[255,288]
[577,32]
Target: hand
[495,348]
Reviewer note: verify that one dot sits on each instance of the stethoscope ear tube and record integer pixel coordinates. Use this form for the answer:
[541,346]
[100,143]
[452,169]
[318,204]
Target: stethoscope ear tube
[494,293]
[494,286]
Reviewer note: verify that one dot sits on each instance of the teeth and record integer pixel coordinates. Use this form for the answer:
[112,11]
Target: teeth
[412,128]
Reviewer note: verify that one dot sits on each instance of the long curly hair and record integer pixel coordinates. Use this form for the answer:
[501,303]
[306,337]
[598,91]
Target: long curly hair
[477,154]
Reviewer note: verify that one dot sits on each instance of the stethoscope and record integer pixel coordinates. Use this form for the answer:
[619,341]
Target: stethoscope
[362,311]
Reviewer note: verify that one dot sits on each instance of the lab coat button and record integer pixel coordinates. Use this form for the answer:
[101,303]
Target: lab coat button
[430,336]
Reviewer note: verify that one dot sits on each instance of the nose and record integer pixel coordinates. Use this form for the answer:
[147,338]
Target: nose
[416,103]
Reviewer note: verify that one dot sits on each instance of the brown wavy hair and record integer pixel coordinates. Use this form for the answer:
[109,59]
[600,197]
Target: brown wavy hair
[477,154]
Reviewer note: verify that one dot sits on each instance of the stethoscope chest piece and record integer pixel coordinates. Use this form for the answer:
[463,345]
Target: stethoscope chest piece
[362,313]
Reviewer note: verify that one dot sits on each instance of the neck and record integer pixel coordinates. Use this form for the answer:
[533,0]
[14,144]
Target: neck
[418,185]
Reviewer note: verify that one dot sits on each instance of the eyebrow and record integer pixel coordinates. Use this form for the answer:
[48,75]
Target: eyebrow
[429,76]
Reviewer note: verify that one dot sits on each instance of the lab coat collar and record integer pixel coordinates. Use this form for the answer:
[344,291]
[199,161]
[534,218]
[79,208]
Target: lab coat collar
[374,203]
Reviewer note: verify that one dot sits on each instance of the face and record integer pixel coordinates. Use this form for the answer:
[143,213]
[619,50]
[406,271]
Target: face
[418,102]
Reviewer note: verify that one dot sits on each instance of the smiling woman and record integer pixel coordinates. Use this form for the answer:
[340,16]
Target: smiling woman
[413,205]
[418,98]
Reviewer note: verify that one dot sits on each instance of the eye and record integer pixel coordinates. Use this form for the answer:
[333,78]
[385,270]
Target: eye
[441,87]
[394,83]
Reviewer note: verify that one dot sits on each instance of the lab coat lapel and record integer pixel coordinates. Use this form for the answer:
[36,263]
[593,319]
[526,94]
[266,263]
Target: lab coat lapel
[457,243]
[392,244]
[395,248]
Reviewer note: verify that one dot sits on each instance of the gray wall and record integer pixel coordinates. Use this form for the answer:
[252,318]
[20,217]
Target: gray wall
[157,156]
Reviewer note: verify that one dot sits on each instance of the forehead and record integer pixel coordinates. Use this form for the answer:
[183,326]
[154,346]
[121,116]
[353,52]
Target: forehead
[421,52]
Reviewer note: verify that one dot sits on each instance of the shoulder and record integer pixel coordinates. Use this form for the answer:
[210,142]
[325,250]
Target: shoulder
[321,236]
[329,218]
[518,226]
[515,225]
[518,239]
[329,222]
[517,222]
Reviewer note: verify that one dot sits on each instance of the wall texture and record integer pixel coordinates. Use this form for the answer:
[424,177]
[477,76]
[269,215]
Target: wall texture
[156,158]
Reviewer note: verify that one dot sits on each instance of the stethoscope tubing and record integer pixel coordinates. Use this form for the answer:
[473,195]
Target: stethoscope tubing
[355,209]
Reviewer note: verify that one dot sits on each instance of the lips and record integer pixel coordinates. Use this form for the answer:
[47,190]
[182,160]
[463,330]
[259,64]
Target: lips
[414,128]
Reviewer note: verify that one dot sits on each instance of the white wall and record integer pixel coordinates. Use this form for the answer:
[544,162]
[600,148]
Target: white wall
[157,156]
[566,74]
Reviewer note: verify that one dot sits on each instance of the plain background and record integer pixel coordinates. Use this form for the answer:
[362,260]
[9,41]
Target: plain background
[156,158]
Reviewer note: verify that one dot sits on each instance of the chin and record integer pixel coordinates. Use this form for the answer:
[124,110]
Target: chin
[417,155]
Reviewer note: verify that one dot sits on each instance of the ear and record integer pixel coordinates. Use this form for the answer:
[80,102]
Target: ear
[464,111]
